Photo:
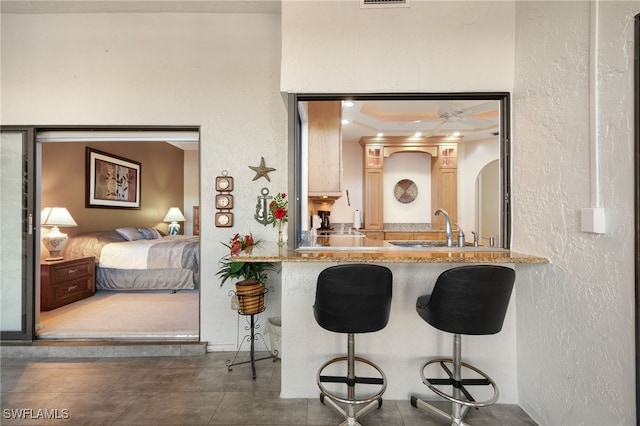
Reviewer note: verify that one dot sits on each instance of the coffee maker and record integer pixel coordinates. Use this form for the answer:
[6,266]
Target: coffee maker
[324,219]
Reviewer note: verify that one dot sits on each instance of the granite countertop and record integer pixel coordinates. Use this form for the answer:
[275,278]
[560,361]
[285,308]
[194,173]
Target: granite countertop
[357,248]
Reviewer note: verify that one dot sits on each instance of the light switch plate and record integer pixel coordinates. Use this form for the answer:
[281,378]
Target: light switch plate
[592,220]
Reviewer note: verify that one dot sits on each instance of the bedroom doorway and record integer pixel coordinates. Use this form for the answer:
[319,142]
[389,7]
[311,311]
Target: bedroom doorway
[151,305]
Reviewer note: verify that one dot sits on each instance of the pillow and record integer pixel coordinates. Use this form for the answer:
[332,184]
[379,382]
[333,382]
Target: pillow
[149,233]
[129,234]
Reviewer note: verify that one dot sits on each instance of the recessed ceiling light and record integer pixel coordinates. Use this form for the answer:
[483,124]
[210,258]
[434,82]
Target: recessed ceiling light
[417,134]
[348,103]
[345,121]
[380,134]
[456,133]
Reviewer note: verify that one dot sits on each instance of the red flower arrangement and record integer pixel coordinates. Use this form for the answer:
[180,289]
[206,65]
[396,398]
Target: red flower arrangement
[279,209]
[242,270]
[238,243]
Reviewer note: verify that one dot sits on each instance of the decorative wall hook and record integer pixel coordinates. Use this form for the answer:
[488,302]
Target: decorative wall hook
[262,208]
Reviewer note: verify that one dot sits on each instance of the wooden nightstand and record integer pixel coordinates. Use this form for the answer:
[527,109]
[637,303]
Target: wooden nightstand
[66,281]
[196,220]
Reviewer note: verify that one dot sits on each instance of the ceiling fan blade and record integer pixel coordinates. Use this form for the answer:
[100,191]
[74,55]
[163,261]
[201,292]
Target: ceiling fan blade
[438,127]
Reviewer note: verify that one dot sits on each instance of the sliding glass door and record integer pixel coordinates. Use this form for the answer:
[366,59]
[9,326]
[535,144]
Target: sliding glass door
[16,233]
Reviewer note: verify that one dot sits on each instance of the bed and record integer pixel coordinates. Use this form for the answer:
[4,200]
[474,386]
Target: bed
[140,259]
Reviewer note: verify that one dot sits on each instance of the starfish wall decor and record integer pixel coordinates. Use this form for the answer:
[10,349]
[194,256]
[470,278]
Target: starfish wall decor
[262,170]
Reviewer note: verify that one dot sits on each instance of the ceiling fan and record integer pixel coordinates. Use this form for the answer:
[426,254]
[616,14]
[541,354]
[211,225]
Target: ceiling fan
[456,117]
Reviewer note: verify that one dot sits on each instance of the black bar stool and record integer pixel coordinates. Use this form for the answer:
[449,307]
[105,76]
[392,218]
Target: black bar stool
[351,299]
[468,300]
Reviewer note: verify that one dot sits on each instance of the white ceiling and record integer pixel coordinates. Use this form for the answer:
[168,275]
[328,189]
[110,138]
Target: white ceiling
[477,119]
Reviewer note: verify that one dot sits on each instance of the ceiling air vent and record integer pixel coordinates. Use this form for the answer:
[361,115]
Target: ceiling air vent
[366,4]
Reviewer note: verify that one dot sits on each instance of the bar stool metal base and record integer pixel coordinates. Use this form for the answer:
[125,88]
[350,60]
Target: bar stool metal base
[461,399]
[369,403]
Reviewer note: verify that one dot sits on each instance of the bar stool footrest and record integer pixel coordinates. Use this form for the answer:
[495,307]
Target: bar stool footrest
[368,403]
[343,379]
[469,402]
[381,381]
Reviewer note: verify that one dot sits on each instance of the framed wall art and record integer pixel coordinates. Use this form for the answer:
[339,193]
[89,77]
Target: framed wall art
[112,181]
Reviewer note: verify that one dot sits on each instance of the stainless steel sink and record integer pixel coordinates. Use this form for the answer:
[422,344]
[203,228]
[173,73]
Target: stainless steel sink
[419,244]
[440,246]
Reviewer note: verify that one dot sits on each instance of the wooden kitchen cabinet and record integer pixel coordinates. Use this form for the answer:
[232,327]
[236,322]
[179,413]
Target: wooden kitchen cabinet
[325,148]
[398,235]
[373,193]
[444,175]
[429,236]
[374,235]
[374,156]
[66,281]
[448,156]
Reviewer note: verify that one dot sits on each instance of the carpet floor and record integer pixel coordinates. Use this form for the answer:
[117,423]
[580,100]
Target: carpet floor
[125,315]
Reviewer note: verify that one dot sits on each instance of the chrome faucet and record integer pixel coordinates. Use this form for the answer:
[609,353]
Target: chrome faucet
[461,242]
[447,226]
[475,238]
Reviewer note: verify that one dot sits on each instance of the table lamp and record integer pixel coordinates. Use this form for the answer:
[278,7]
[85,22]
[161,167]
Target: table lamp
[174,215]
[55,240]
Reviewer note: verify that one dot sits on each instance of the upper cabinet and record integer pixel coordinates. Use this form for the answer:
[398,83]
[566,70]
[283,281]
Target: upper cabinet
[444,179]
[325,149]
[373,183]
[443,169]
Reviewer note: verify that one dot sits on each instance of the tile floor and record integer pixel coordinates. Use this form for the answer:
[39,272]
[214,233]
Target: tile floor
[182,390]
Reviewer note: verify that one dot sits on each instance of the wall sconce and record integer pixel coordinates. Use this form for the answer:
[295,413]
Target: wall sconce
[55,240]
[174,215]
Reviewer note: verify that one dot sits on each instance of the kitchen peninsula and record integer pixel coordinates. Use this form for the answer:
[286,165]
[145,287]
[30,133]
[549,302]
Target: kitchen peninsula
[406,342]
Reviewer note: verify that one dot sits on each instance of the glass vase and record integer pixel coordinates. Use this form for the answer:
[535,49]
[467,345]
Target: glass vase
[280,238]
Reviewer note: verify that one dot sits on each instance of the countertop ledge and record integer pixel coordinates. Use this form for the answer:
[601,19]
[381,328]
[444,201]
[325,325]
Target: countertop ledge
[271,252]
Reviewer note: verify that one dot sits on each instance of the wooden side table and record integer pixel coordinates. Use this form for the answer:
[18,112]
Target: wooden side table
[196,220]
[66,281]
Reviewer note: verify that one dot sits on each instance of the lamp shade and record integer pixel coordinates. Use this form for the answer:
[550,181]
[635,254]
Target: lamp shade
[56,216]
[174,215]
[55,240]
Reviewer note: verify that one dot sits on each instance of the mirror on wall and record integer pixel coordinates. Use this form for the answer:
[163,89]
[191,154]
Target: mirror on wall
[450,147]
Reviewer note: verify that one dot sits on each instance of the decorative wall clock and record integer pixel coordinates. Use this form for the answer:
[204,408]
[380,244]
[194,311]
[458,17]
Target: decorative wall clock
[224,182]
[224,200]
[224,219]
[405,191]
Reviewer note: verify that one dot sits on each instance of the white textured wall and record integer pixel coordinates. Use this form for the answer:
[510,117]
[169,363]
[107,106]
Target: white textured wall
[335,46]
[219,71]
[399,349]
[472,157]
[576,315]
[413,166]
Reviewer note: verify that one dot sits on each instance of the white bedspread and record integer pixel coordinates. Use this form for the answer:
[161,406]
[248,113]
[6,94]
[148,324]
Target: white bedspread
[135,254]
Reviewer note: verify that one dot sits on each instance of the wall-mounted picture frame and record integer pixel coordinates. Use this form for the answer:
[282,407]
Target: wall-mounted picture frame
[112,181]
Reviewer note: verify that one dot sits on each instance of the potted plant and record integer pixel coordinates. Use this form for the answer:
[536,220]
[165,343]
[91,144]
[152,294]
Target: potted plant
[251,287]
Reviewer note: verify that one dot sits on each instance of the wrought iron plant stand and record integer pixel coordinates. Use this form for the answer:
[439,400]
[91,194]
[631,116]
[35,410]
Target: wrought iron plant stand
[251,327]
